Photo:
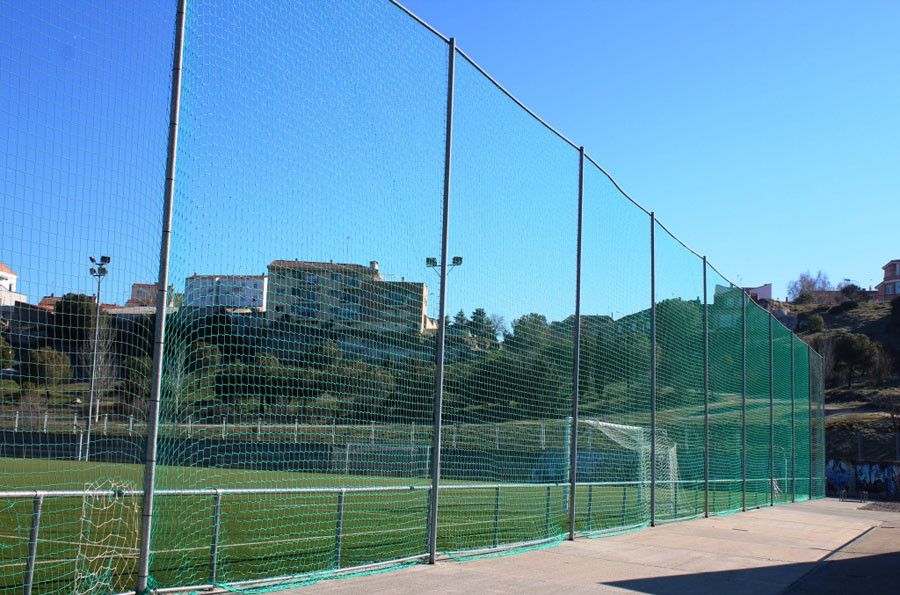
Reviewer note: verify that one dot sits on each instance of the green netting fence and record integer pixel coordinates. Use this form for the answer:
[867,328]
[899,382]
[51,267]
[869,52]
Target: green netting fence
[389,315]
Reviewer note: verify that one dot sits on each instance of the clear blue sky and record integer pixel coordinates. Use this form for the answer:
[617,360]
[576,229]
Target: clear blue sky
[763,136]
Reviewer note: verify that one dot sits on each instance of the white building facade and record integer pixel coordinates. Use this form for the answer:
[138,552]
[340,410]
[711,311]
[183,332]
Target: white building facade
[228,291]
[8,294]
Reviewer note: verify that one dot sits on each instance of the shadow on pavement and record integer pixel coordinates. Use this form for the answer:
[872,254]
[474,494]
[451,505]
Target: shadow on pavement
[873,574]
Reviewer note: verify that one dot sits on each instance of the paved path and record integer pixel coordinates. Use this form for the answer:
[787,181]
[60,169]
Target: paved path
[813,547]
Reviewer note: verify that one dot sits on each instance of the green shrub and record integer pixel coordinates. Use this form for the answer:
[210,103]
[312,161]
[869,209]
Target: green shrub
[815,324]
[6,354]
[844,306]
[47,366]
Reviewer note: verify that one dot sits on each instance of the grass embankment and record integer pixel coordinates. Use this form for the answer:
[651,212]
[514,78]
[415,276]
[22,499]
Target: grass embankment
[861,409]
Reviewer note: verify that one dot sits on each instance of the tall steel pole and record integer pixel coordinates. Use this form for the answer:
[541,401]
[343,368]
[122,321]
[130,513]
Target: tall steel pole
[705,395]
[743,400]
[161,300]
[809,416]
[442,313]
[793,431]
[576,359]
[652,369]
[771,410]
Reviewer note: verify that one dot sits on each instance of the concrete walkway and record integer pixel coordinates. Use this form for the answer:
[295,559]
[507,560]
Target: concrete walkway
[813,547]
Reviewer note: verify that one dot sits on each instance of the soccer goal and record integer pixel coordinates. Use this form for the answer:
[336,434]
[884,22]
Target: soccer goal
[613,455]
[381,460]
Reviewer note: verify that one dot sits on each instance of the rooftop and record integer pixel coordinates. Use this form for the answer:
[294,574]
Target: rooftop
[321,266]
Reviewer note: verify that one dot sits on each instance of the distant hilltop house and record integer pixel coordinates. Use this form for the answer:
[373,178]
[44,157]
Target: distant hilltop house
[346,297]
[761,293]
[889,288]
[8,294]
[228,291]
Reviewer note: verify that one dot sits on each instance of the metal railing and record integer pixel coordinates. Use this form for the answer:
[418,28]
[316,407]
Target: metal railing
[218,494]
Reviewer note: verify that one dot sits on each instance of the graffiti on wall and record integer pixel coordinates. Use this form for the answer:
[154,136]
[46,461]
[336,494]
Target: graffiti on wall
[879,479]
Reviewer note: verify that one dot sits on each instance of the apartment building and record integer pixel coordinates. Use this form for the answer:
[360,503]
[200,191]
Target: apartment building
[345,297]
[227,291]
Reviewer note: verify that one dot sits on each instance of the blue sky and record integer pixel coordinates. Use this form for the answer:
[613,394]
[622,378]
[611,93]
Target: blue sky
[763,136]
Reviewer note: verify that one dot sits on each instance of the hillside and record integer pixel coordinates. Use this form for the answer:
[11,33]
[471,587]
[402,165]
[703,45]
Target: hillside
[858,423]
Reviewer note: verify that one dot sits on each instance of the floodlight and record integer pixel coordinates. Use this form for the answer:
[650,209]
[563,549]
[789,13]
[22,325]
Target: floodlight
[431,262]
[457,260]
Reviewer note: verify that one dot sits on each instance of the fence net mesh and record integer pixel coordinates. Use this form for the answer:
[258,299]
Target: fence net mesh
[83,122]
[784,453]
[299,363]
[615,362]
[757,407]
[802,435]
[679,379]
[506,165]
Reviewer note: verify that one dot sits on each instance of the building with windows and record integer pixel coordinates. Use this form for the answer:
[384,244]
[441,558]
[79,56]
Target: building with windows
[8,294]
[142,294]
[345,297]
[889,288]
[227,291]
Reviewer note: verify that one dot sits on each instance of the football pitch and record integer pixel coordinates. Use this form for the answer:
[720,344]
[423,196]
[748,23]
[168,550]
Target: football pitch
[264,535]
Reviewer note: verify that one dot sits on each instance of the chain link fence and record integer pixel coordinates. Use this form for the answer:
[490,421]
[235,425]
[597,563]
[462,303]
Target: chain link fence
[389,313]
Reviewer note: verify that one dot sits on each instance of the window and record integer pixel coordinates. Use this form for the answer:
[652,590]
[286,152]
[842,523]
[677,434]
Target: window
[312,278]
[311,296]
[352,280]
[336,277]
[349,311]
[889,289]
[307,310]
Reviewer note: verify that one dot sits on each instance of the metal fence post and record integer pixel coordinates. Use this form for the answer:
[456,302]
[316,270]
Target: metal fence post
[590,507]
[32,544]
[743,400]
[161,300]
[547,514]
[496,540]
[793,435]
[652,369]
[214,539]
[442,312]
[771,410]
[576,363]
[339,529]
[705,395]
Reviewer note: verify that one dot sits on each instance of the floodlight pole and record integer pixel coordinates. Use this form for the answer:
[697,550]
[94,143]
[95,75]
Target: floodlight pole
[442,314]
[161,300]
[705,395]
[652,369]
[576,359]
[99,274]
